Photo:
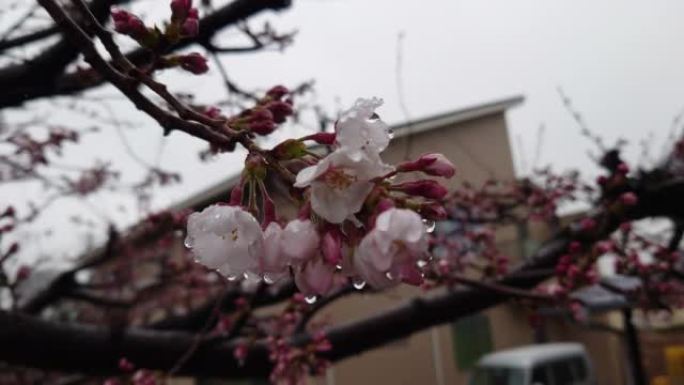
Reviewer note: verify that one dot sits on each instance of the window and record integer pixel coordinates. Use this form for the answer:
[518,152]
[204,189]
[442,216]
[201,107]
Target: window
[472,339]
[562,373]
[497,376]
[579,368]
[540,375]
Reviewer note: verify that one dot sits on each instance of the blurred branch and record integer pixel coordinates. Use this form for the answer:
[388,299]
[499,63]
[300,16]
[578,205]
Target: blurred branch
[27,86]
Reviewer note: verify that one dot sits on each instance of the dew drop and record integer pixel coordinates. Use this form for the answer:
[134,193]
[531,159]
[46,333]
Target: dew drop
[338,267]
[390,133]
[429,225]
[389,275]
[422,263]
[268,279]
[232,277]
[359,283]
[310,299]
[189,242]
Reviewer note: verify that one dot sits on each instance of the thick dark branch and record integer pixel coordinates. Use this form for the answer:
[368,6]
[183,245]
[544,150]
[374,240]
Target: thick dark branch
[26,88]
[32,342]
[42,72]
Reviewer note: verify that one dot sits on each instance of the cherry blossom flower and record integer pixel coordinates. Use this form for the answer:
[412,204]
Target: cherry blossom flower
[389,253]
[340,182]
[226,238]
[315,277]
[300,241]
[273,264]
[360,129]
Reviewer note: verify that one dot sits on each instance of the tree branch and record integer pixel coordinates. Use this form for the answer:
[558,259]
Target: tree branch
[25,85]
[32,342]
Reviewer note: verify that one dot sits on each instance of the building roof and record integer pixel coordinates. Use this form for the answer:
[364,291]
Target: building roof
[408,128]
[527,356]
[457,116]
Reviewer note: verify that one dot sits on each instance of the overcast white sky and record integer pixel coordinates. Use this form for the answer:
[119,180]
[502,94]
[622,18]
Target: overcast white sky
[621,61]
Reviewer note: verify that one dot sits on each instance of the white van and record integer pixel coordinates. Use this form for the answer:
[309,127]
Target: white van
[543,364]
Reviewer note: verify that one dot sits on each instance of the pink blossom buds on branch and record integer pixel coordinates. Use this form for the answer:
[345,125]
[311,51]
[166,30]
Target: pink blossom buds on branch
[426,188]
[431,164]
[127,23]
[184,20]
[353,223]
[193,62]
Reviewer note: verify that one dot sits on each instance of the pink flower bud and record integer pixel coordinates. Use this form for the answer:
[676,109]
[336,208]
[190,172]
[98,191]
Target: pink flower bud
[213,112]
[126,365]
[426,188]
[261,121]
[190,27]
[626,227]
[574,247]
[127,23]
[23,273]
[277,92]
[604,247]
[434,211]
[628,199]
[623,168]
[280,110]
[240,353]
[587,224]
[331,246]
[180,9]
[194,63]
[432,164]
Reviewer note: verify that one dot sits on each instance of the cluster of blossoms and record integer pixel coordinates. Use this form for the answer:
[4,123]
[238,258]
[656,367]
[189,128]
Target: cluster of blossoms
[184,24]
[355,223]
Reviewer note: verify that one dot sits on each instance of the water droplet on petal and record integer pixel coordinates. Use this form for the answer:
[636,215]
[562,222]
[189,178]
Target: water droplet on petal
[232,277]
[429,225]
[310,299]
[189,242]
[422,263]
[268,279]
[359,283]
[389,275]
[338,267]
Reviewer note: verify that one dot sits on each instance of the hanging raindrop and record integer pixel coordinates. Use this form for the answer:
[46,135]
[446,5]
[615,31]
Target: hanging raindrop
[429,225]
[310,299]
[189,242]
[268,279]
[359,283]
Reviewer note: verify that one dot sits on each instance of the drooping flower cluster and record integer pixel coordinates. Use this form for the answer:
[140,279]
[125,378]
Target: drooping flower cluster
[355,223]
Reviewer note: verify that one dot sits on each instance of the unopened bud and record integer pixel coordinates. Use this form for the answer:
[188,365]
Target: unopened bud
[426,188]
[194,63]
[432,164]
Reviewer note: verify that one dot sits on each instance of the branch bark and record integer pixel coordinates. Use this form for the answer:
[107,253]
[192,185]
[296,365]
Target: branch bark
[24,84]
